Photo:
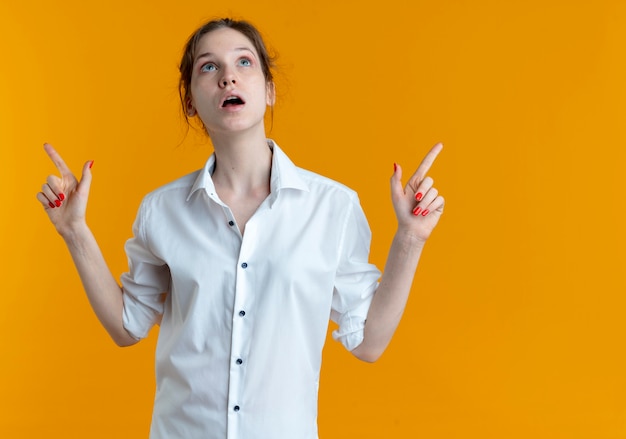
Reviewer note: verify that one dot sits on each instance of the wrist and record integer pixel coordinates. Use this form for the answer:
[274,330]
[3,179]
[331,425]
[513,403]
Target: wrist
[73,233]
[410,237]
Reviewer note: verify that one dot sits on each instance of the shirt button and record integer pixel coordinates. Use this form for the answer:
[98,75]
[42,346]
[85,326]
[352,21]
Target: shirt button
[236,408]
[242,313]
[244,265]
[239,361]
[231,223]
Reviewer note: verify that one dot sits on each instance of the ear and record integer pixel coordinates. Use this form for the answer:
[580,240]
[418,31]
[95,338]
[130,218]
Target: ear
[189,108]
[270,94]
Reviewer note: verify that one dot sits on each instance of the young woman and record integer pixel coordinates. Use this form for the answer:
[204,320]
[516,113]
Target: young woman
[242,262]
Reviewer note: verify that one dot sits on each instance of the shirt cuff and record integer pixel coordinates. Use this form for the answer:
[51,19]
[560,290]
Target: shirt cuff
[137,318]
[350,331]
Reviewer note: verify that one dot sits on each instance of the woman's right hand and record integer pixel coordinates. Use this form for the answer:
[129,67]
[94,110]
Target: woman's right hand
[65,198]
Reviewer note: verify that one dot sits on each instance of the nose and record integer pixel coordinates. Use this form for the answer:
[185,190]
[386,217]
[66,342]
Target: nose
[227,79]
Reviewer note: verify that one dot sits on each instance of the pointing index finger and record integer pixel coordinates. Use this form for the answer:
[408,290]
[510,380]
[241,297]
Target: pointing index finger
[57,160]
[427,162]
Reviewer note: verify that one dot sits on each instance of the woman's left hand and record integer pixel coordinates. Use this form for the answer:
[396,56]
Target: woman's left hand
[418,205]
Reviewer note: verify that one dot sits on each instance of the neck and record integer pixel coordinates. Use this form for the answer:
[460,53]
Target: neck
[243,162]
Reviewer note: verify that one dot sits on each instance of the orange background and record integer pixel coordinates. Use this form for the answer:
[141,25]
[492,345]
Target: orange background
[515,326]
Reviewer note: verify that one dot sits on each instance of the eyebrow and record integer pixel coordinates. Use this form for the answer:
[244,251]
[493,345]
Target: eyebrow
[209,54]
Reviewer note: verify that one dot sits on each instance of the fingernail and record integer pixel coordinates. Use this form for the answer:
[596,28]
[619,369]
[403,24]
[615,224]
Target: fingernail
[395,167]
[90,164]
[425,212]
[58,203]
[417,210]
[51,204]
[61,196]
[418,196]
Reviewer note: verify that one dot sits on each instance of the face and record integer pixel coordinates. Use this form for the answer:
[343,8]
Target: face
[228,89]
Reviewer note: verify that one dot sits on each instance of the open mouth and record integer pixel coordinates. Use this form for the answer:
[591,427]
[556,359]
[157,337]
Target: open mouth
[232,100]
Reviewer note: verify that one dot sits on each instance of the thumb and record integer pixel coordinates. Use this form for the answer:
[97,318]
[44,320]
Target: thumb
[85,181]
[397,190]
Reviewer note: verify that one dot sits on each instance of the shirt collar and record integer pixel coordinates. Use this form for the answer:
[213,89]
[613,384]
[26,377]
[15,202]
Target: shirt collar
[285,175]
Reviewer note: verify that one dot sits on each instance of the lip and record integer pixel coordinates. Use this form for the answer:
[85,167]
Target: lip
[231,94]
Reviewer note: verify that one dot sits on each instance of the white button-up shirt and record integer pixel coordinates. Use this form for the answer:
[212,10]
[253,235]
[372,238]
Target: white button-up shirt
[245,317]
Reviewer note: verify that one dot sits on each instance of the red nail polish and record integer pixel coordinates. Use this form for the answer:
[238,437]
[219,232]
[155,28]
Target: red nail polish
[58,203]
[51,204]
[61,196]
[417,210]
[425,212]
[418,196]
[395,167]
[90,164]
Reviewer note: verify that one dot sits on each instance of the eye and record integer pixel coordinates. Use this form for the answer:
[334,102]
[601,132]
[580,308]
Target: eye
[245,62]
[208,67]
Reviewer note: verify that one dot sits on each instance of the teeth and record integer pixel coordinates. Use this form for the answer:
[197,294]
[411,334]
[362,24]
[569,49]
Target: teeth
[232,100]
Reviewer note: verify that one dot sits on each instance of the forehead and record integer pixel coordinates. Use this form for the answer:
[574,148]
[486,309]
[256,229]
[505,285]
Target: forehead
[222,41]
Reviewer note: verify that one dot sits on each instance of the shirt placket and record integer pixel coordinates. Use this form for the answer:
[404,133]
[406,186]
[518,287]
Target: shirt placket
[241,334]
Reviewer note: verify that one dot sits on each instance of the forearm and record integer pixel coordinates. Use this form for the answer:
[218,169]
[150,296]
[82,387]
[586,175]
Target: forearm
[103,291]
[391,295]
[418,207]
